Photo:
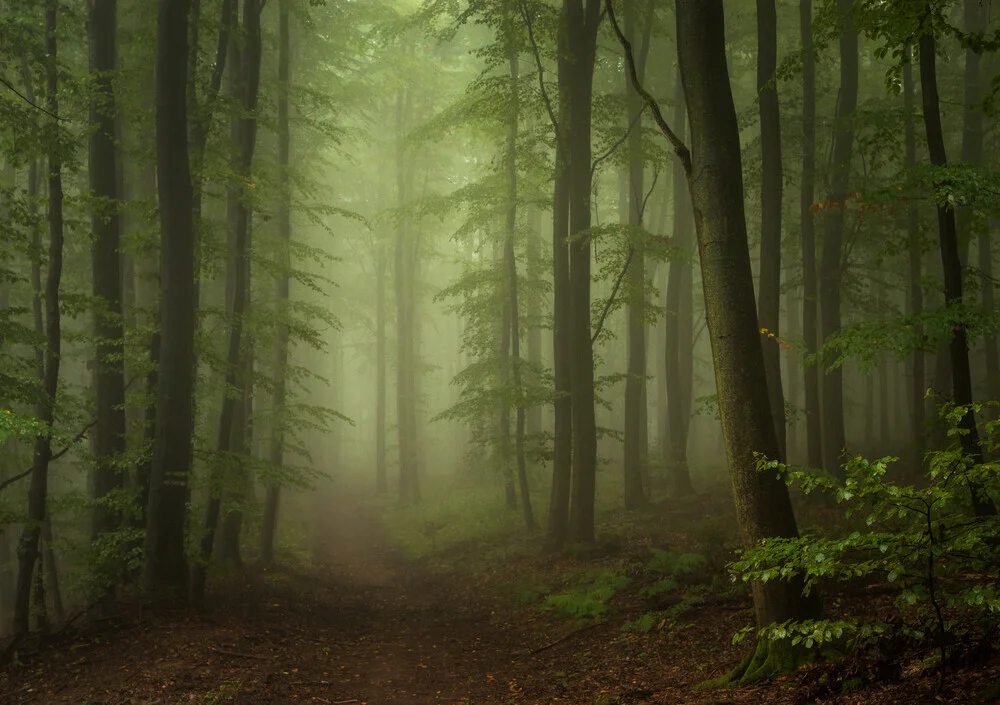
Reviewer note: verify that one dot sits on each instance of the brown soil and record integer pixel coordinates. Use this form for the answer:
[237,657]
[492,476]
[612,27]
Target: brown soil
[367,627]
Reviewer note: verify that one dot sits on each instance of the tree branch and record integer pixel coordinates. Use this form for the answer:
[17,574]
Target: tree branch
[680,149]
[34,105]
[69,446]
[541,74]
[628,262]
[618,143]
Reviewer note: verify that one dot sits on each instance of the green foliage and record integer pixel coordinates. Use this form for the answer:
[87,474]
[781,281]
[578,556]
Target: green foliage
[589,601]
[925,540]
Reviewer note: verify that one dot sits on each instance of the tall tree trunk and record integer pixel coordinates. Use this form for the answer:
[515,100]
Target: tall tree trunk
[679,304]
[231,422]
[276,456]
[810,296]
[715,177]
[52,588]
[562,348]
[769,287]
[403,324]
[109,370]
[636,449]
[533,415]
[831,274]
[504,362]
[582,20]
[512,286]
[38,484]
[166,564]
[918,382]
[381,465]
[952,266]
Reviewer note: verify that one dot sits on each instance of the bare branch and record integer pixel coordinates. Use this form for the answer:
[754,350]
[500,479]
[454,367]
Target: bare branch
[618,143]
[680,149]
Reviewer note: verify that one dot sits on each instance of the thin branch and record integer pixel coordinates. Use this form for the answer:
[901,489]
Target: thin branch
[680,149]
[69,446]
[614,294]
[34,105]
[618,143]
[628,262]
[541,74]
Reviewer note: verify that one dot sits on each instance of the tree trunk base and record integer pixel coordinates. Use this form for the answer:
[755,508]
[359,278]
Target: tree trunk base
[770,658]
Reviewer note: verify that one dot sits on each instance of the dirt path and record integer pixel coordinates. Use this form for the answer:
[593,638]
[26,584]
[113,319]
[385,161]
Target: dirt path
[363,629]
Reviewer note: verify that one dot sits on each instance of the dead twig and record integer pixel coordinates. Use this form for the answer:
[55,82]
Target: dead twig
[238,654]
[563,638]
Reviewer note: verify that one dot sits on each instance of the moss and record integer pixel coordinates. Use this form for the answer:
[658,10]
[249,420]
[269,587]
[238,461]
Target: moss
[770,658]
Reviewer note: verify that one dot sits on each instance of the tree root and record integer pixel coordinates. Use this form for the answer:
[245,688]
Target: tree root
[770,658]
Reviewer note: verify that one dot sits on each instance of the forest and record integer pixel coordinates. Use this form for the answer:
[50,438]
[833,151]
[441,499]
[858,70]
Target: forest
[600,352]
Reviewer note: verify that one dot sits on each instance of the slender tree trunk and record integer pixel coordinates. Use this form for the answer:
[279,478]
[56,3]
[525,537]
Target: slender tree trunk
[276,456]
[582,21]
[918,384]
[512,291]
[951,263]
[231,422]
[109,371]
[679,304]
[38,484]
[52,588]
[810,295]
[831,274]
[166,564]
[769,287]
[562,348]
[533,415]
[636,447]
[402,431]
[715,176]
[381,471]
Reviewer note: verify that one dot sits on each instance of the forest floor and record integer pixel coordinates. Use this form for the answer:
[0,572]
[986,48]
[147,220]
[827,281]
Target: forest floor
[368,625]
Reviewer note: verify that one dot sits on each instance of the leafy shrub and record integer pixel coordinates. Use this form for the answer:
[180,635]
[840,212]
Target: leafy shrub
[589,601]
[943,559]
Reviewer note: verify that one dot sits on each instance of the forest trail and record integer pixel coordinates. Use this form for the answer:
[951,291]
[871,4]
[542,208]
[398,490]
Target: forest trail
[368,627]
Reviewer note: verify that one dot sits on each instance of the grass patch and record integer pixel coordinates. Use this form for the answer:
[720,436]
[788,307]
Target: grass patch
[588,601]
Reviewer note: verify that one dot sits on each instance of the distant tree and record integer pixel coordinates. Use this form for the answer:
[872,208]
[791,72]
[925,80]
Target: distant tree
[37,515]
[166,561]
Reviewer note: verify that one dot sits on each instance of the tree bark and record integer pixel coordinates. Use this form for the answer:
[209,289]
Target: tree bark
[715,177]
[562,349]
[679,348]
[769,287]
[510,262]
[952,266]
[109,370]
[231,422]
[582,20]
[810,296]
[276,455]
[831,274]
[918,384]
[636,441]
[27,552]
[166,564]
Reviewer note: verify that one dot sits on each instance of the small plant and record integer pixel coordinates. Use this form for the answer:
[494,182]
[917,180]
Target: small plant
[942,556]
[589,601]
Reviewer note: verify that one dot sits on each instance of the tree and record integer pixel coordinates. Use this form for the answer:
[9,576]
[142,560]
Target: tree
[276,456]
[166,563]
[109,371]
[713,168]
[951,263]
[38,484]
[679,305]
[510,262]
[807,194]
[582,20]
[831,265]
[769,288]
[636,445]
